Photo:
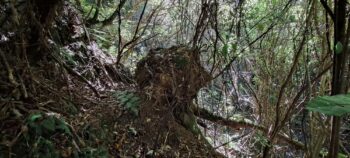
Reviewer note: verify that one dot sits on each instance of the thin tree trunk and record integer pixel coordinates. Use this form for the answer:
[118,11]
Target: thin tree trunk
[338,70]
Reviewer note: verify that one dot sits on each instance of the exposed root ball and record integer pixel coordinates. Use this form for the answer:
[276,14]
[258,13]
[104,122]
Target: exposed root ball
[171,78]
[175,71]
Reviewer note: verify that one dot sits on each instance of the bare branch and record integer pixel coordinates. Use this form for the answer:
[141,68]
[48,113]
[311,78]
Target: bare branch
[328,10]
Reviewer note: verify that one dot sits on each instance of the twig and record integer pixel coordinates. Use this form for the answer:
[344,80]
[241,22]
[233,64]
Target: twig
[70,70]
[255,40]
[135,37]
[9,70]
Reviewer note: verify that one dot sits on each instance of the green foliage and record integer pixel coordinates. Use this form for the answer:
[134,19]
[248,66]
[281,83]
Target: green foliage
[336,105]
[224,50]
[44,148]
[41,129]
[228,50]
[260,27]
[338,48]
[292,18]
[261,141]
[129,100]
[341,155]
[47,125]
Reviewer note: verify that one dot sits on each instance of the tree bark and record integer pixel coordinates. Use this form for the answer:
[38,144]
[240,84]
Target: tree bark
[339,64]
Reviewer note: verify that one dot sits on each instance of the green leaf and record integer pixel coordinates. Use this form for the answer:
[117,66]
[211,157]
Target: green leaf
[260,27]
[134,100]
[119,94]
[129,95]
[292,18]
[224,50]
[130,105]
[63,126]
[227,36]
[49,123]
[234,47]
[122,95]
[34,117]
[341,155]
[36,128]
[123,100]
[338,48]
[336,105]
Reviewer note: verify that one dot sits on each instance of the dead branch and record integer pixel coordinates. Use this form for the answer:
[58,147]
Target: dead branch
[9,70]
[80,77]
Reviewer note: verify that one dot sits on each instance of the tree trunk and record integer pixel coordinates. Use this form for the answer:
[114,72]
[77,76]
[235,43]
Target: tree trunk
[339,65]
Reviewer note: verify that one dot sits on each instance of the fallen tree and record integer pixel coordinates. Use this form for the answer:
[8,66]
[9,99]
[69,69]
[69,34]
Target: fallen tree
[237,124]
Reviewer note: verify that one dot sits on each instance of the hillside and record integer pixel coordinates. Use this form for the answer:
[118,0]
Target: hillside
[163,78]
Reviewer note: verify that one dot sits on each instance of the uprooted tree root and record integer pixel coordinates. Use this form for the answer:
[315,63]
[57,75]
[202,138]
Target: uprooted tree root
[170,79]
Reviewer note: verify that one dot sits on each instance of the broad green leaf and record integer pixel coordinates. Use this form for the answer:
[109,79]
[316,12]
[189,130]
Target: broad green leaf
[336,105]
[338,48]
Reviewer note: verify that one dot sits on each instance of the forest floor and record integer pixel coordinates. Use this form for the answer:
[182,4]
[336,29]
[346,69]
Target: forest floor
[107,123]
[141,122]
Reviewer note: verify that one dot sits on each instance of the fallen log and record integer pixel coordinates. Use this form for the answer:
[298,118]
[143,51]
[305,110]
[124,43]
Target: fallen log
[206,115]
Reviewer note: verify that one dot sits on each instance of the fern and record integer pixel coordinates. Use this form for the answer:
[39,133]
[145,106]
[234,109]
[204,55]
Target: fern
[129,100]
